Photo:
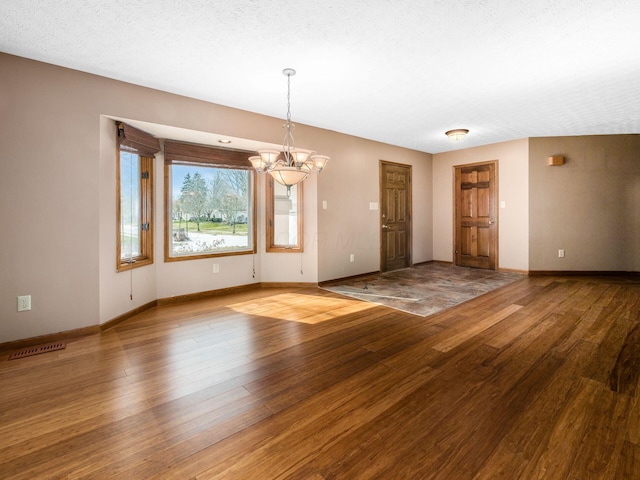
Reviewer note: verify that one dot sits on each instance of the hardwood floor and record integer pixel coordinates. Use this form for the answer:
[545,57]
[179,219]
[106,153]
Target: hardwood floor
[537,380]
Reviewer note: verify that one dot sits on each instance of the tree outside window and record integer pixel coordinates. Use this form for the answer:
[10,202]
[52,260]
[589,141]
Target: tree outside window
[210,207]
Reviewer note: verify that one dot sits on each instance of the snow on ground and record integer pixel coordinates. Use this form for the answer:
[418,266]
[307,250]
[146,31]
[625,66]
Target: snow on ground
[199,242]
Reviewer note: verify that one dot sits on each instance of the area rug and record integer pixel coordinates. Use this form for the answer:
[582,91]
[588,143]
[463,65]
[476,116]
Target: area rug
[424,289]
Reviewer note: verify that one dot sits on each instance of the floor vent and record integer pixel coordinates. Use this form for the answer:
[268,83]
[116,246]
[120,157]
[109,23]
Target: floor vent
[30,351]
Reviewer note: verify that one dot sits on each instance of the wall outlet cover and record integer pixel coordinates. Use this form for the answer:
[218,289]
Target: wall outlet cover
[24,303]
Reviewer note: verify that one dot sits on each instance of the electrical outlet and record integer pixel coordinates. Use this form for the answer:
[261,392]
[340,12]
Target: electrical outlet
[560,253]
[352,257]
[24,303]
[216,268]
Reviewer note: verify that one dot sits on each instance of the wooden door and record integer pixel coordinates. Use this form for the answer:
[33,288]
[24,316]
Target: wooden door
[395,216]
[476,228]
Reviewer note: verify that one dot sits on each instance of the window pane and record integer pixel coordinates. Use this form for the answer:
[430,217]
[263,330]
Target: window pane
[285,215]
[210,210]
[129,205]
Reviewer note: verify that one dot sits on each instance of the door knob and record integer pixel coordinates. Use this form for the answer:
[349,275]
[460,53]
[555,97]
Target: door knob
[385,226]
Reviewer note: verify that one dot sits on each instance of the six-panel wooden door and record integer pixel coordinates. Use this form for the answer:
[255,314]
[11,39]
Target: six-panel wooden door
[395,216]
[476,237]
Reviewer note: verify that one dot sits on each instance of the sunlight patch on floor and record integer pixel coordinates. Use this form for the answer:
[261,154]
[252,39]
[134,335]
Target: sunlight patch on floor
[303,308]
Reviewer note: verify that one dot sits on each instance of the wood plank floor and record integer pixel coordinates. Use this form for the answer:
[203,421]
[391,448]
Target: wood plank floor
[537,380]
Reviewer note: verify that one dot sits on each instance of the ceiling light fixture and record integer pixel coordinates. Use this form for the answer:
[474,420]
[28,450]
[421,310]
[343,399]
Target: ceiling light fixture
[457,134]
[291,166]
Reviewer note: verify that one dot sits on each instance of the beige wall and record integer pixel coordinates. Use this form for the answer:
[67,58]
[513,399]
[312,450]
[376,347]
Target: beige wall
[590,206]
[57,200]
[348,225]
[513,193]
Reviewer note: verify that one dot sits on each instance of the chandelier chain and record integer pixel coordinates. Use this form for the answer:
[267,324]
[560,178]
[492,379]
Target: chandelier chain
[288,143]
[288,98]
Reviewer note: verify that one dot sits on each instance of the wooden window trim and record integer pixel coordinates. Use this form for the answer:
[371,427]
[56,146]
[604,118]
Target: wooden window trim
[178,153]
[133,140]
[146,217]
[271,246]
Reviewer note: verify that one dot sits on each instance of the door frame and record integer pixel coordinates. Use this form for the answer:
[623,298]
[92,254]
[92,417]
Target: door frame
[495,192]
[409,167]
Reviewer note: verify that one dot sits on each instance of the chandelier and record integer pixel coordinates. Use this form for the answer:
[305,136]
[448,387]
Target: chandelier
[291,166]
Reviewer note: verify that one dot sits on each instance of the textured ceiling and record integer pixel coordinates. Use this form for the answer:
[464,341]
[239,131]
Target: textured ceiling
[401,72]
